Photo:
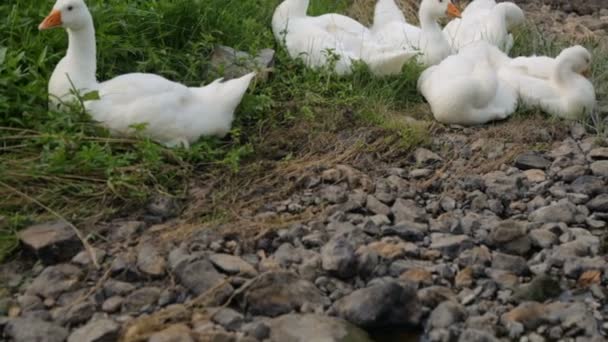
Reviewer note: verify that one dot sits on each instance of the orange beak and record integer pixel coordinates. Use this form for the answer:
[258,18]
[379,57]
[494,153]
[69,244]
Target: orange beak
[452,10]
[51,21]
[586,73]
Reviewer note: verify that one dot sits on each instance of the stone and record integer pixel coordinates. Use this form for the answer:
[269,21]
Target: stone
[338,257]
[75,314]
[229,63]
[228,318]
[385,304]
[424,156]
[417,276]
[391,248]
[531,160]
[55,280]
[149,261]
[102,330]
[530,314]
[33,330]
[543,238]
[558,212]
[503,186]
[535,176]
[571,173]
[51,242]
[407,210]
[451,245]
[445,315]
[117,288]
[599,203]
[511,263]
[540,289]
[199,276]
[434,295]
[112,304]
[600,168]
[256,329]
[510,236]
[464,278]
[83,258]
[232,265]
[407,230]
[310,327]
[163,206]
[334,194]
[474,335]
[377,207]
[141,299]
[588,185]
[599,153]
[276,293]
[177,333]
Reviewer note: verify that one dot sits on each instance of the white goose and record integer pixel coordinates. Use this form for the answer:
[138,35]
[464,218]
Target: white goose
[390,27]
[173,114]
[559,87]
[485,20]
[465,89]
[311,38]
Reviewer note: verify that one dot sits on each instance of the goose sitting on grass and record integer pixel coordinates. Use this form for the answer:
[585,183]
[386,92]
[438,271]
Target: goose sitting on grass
[172,113]
[428,40]
[485,20]
[333,38]
[558,87]
[465,88]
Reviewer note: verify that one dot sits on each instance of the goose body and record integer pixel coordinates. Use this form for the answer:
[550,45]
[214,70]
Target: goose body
[485,20]
[332,37]
[465,89]
[390,27]
[559,87]
[171,113]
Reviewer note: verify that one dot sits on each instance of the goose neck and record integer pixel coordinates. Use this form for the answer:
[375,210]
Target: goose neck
[82,50]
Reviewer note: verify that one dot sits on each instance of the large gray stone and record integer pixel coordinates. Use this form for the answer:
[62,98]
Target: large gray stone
[305,328]
[51,242]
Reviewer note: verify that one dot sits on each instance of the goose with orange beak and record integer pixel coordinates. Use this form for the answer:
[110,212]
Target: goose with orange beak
[171,113]
[390,27]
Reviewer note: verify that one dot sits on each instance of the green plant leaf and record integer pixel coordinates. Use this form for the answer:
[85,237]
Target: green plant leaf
[91,96]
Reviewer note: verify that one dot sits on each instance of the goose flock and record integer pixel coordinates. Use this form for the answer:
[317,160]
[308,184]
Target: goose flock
[469,77]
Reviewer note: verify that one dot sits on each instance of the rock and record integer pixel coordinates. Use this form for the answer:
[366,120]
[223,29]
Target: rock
[199,276]
[531,160]
[228,318]
[377,207]
[176,333]
[75,314]
[588,185]
[309,327]
[600,168]
[117,288]
[464,278]
[229,63]
[338,257]
[83,258]
[407,210]
[51,242]
[256,329]
[232,265]
[434,295]
[391,248]
[535,175]
[530,314]
[559,212]
[599,203]
[418,276]
[277,293]
[473,335]
[385,304]
[599,153]
[163,206]
[510,236]
[511,263]
[445,315]
[572,172]
[112,304]
[33,330]
[334,194]
[102,330]
[503,186]
[575,266]
[141,299]
[451,245]
[540,289]
[55,280]
[543,238]
[424,156]
[149,261]
[407,230]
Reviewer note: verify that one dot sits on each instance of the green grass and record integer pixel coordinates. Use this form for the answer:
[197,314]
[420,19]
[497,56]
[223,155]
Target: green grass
[62,161]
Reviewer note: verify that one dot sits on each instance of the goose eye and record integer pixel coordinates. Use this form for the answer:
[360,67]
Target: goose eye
[70,8]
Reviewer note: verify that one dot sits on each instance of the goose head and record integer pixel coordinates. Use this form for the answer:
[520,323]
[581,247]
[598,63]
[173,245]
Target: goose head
[437,9]
[576,59]
[69,14]
[284,12]
[514,16]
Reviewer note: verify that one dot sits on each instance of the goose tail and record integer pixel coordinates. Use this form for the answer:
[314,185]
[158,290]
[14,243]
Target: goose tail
[389,63]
